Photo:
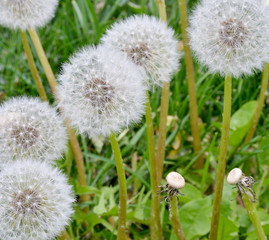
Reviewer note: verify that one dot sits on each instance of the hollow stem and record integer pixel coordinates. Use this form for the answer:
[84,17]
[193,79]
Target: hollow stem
[174,218]
[260,104]
[122,188]
[72,136]
[222,157]
[191,84]
[31,61]
[254,217]
[64,236]
[155,223]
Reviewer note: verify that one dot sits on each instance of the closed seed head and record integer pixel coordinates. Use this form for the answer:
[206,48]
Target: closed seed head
[35,201]
[31,129]
[149,43]
[25,14]
[175,180]
[234,176]
[230,37]
[101,91]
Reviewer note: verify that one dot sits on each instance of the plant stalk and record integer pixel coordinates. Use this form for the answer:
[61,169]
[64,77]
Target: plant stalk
[34,71]
[122,188]
[254,217]
[222,157]
[72,136]
[261,99]
[174,218]
[64,236]
[155,222]
[191,84]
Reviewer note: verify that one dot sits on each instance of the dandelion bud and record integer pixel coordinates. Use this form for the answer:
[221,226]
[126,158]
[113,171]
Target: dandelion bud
[149,43]
[25,14]
[175,180]
[230,37]
[32,129]
[35,201]
[101,91]
[234,176]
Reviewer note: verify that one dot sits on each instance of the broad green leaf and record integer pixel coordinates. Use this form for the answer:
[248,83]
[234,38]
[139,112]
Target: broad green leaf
[190,193]
[263,156]
[195,217]
[240,123]
[228,229]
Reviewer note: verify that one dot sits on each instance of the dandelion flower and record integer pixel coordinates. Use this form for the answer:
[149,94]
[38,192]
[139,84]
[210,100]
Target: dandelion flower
[230,37]
[101,91]
[30,128]
[35,201]
[25,14]
[149,43]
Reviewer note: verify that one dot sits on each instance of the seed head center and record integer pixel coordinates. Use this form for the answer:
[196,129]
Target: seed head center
[139,53]
[26,202]
[25,135]
[232,33]
[99,92]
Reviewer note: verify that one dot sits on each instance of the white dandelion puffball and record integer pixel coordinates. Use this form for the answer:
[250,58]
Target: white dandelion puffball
[175,180]
[266,2]
[234,176]
[230,36]
[25,14]
[149,43]
[101,91]
[36,202]
[30,128]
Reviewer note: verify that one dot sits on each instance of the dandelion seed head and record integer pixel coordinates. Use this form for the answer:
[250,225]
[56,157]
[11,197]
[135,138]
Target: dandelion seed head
[230,37]
[31,129]
[35,201]
[101,91]
[25,14]
[149,43]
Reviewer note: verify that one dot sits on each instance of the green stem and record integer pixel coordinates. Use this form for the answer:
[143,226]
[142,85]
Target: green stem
[64,236]
[72,136]
[122,188]
[222,157]
[31,61]
[254,217]
[164,110]
[155,223]
[174,217]
[191,84]
[260,104]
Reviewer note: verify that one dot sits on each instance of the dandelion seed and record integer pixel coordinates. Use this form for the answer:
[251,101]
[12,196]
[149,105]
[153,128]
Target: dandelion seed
[25,14]
[32,129]
[230,37]
[101,91]
[149,43]
[35,201]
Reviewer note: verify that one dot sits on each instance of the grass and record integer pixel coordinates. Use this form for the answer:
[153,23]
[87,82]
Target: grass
[82,22]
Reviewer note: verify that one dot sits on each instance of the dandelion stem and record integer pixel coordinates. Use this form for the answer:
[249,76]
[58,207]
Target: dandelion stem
[191,84]
[64,236]
[222,157]
[254,217]
[155,223]
[122,188]
[174,217]
[72,136]
[260,104]
[31,61]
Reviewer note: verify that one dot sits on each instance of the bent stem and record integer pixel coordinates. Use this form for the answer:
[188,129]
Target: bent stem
[122,187]
[260,104]
[155,223]
[254,217]
[191,84]
[174,218]
[222,157]
[31,61]
[72,136]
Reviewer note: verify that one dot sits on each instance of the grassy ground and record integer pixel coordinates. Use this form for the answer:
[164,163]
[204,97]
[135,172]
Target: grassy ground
[82,22]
